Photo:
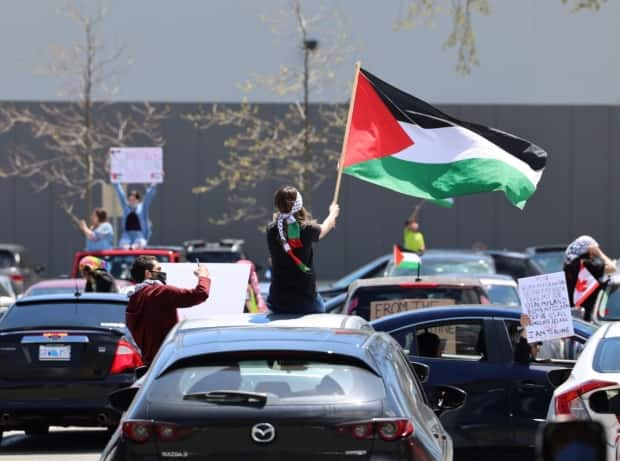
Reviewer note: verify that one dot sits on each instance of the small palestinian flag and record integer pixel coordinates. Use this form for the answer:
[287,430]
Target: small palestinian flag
[406,260]
[400,142]
[585,286]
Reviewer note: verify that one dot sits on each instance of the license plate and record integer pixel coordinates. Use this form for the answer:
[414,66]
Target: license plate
[54,352]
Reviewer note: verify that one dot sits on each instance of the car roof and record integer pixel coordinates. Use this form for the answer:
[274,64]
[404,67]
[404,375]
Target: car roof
[60,283]
[112,298]
[546,248]
[613,330]
[413,280]
[12,247]
[507,254]
[456,254]
[335,321]
[501,278]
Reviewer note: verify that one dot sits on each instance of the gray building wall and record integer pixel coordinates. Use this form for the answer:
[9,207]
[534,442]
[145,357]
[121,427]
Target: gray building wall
[578,194]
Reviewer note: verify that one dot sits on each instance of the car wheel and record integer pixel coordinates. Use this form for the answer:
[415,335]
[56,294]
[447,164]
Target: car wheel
[37,429]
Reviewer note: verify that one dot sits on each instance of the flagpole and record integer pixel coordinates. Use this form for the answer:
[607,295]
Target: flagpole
[346,133]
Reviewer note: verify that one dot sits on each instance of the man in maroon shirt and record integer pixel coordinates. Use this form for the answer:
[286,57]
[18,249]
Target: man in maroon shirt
[152,309]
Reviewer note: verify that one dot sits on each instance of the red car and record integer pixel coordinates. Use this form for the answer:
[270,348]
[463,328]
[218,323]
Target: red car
[120,260]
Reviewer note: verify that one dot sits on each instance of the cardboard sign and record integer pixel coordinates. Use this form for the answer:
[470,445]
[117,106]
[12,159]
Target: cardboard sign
[544,298]
[132,165]
[380,309]
[229,284]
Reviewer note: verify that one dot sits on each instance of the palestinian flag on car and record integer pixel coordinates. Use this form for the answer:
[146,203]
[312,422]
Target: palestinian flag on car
[406,260]
[400,142]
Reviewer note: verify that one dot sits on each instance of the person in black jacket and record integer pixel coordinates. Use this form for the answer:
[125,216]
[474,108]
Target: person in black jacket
[98,280]
[585,250]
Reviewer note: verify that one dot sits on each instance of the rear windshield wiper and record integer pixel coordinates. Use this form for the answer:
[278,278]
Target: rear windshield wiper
[229,398]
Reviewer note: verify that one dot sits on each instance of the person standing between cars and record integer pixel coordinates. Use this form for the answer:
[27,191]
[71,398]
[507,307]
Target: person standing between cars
[290,238]
[98,280]
[100,234]
[136,223]
[152,309]
[585,250]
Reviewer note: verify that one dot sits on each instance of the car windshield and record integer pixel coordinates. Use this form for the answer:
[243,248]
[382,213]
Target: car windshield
[549,261]
[214,256]
[7,259]
[506,295]
[285,380]
[69,315]
[120,265]
[608,306]
[606,358]
[375,302]
[437,266]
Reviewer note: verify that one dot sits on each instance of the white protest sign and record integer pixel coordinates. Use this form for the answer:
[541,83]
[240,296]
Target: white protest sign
[229,284]
[136,165]
[544,298]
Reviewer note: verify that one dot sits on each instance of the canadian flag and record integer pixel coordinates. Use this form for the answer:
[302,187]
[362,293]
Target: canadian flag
[585,286]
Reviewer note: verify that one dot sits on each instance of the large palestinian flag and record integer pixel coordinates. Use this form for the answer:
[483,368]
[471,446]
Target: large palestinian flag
[400,142]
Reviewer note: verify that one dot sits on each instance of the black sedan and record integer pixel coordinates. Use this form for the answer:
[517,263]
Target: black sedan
[60,358]
[280,393]
[474,347]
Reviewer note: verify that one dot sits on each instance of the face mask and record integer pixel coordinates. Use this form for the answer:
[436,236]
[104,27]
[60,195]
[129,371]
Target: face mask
[161,276]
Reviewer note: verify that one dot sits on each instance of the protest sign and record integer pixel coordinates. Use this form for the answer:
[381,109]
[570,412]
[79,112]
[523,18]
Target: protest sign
[229,284]
[544,299]
[136,165]
[380,309]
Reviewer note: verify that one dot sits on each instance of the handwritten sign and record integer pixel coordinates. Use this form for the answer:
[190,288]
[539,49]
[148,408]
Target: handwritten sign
[380,309]
[544,299]
[135,165]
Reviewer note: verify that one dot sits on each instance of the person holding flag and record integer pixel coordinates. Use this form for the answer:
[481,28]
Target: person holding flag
[584,266]
[290,238]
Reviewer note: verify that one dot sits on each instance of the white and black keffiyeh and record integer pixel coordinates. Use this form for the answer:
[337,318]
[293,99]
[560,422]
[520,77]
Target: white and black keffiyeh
[578,248]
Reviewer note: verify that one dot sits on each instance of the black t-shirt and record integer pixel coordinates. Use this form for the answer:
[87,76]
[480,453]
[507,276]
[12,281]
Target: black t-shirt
[103,283]
[132,223]
[292,289]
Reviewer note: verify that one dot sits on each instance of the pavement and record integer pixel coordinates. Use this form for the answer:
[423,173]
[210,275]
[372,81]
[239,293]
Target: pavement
[61,444]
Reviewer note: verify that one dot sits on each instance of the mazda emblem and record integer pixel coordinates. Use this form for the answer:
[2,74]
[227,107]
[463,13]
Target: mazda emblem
[263,433]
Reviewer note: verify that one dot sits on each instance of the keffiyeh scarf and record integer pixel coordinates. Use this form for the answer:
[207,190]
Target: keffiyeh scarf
[293,231]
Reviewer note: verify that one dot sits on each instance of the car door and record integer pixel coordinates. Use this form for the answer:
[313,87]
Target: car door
[531,391]
[466,360]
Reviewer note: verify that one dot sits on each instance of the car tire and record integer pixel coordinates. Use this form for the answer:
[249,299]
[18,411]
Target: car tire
[37,429]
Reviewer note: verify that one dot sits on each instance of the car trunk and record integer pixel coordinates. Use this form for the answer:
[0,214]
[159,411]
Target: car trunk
[301,431]
[57,355]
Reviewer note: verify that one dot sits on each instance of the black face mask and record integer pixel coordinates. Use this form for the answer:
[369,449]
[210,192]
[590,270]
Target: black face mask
[161,276]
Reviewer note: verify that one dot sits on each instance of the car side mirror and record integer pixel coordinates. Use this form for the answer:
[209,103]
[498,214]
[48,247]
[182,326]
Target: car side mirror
[141,371]
[121,399]
[558,376]
[421,370]
[446,398]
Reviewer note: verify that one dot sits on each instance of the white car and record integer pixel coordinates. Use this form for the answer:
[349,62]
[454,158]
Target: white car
[592,391]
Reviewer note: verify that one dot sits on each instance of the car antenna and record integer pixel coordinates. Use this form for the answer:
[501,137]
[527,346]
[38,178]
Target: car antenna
[77,293]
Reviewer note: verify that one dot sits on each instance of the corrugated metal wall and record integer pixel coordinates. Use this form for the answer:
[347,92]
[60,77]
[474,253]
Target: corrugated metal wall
[579,193]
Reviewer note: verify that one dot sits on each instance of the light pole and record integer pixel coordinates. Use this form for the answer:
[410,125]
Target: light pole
[309,45]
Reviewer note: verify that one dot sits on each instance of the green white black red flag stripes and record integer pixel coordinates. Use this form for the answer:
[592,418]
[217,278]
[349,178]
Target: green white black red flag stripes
[400,142]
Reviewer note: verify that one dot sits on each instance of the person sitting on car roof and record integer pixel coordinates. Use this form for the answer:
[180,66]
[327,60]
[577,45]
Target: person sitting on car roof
[136,223]
[98,279]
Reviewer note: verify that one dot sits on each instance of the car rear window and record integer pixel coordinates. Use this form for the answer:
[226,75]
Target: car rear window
[608,306]
[120,265]
[82,314]
[375,302]
[505,295]
[606,358]
[285,379]
[7,259]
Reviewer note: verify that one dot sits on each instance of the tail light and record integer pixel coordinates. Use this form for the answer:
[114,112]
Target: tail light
[18,278]
[141,431]
[126,358]
[569,403]
[387,429]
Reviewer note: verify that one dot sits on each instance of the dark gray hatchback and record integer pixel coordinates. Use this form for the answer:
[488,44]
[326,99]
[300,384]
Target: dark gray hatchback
[280,393]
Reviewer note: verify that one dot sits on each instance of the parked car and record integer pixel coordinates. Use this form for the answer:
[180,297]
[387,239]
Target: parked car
[607,304]
[120,260]
[375,268]
[64,286]
[375,298]
[224,251]
[550,258]
[439,262]
[7,295]
[61,356]
[506,400]
[516,265]
[592,390]
[16,264]
[281,393]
